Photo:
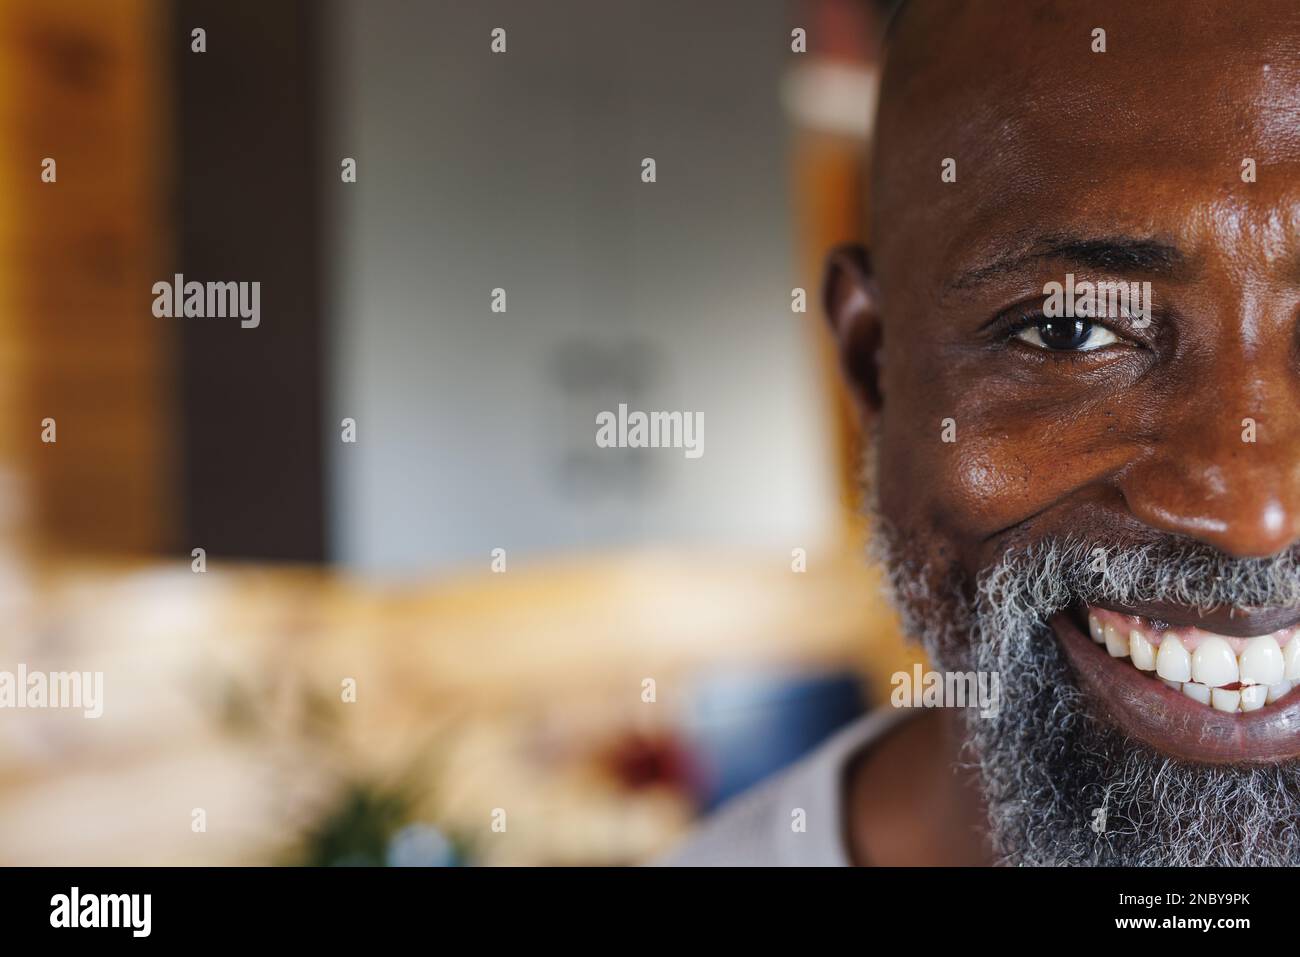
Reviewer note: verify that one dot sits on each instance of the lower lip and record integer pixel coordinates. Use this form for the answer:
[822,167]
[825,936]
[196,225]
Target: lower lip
[1169,721]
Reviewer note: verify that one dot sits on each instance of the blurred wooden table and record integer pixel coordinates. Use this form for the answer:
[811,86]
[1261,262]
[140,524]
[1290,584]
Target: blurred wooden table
[225,691]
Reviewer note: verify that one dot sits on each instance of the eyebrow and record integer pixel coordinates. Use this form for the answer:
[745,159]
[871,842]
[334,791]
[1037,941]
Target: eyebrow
[1114,254]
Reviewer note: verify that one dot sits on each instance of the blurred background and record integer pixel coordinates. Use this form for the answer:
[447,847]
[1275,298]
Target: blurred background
[471,616]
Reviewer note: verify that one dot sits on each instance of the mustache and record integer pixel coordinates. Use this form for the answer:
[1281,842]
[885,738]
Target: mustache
[1044,578]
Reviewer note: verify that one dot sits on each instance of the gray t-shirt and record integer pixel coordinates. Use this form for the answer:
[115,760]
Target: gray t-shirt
[761,828]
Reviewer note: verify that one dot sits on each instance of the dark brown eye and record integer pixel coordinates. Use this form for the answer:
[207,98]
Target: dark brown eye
[1066,335]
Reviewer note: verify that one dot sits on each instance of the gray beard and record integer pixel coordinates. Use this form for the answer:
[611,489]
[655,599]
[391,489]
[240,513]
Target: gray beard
[1045,761]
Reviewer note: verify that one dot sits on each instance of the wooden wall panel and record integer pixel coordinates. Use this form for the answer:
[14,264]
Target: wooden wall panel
[83,83]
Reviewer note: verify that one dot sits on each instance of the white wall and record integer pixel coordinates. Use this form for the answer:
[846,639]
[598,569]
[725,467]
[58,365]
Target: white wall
[522,171]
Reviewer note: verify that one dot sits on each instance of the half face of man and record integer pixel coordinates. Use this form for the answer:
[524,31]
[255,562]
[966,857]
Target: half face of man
[1098,498]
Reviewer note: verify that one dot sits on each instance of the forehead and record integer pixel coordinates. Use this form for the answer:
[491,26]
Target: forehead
[1147,138]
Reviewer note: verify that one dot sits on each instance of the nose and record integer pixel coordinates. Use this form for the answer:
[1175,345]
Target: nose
[1227,473]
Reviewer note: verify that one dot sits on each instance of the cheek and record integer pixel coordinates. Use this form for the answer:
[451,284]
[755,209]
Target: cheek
[982,480]
[1014,452]
[961,492]
[968,484]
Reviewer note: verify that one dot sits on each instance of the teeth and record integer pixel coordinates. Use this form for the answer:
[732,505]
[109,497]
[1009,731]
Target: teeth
[1141,651]
[1253,697]
[1173,663]
[1116,643]
[1277,691]
[1222,700]
[1206,667]
[1261,662]
[1213,662]
[1291,659]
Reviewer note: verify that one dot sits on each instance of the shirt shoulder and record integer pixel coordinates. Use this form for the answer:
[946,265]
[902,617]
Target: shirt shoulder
[764,827]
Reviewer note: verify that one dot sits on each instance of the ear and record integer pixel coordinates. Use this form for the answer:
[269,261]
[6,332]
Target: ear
[852,302]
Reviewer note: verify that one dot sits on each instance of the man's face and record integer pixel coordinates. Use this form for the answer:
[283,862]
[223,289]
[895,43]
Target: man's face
[1152,463]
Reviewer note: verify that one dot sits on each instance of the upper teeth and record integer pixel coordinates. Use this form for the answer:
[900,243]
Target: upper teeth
[1266,668]
[1173,663]
[1261,662]
[1214,664]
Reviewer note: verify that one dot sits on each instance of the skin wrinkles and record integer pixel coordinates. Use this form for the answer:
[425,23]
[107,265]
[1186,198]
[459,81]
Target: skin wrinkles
[1139,148]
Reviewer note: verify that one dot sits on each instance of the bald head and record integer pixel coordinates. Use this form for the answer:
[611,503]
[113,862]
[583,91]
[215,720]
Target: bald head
[1016,94]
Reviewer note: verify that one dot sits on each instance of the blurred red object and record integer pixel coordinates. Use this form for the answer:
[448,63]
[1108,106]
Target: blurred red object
[642,761]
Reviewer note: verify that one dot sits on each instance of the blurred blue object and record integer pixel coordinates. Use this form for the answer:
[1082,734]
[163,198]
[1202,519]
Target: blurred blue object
[420,845]
[744,726]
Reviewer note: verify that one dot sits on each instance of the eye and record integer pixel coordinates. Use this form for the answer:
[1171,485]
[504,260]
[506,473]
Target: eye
[1066,335]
